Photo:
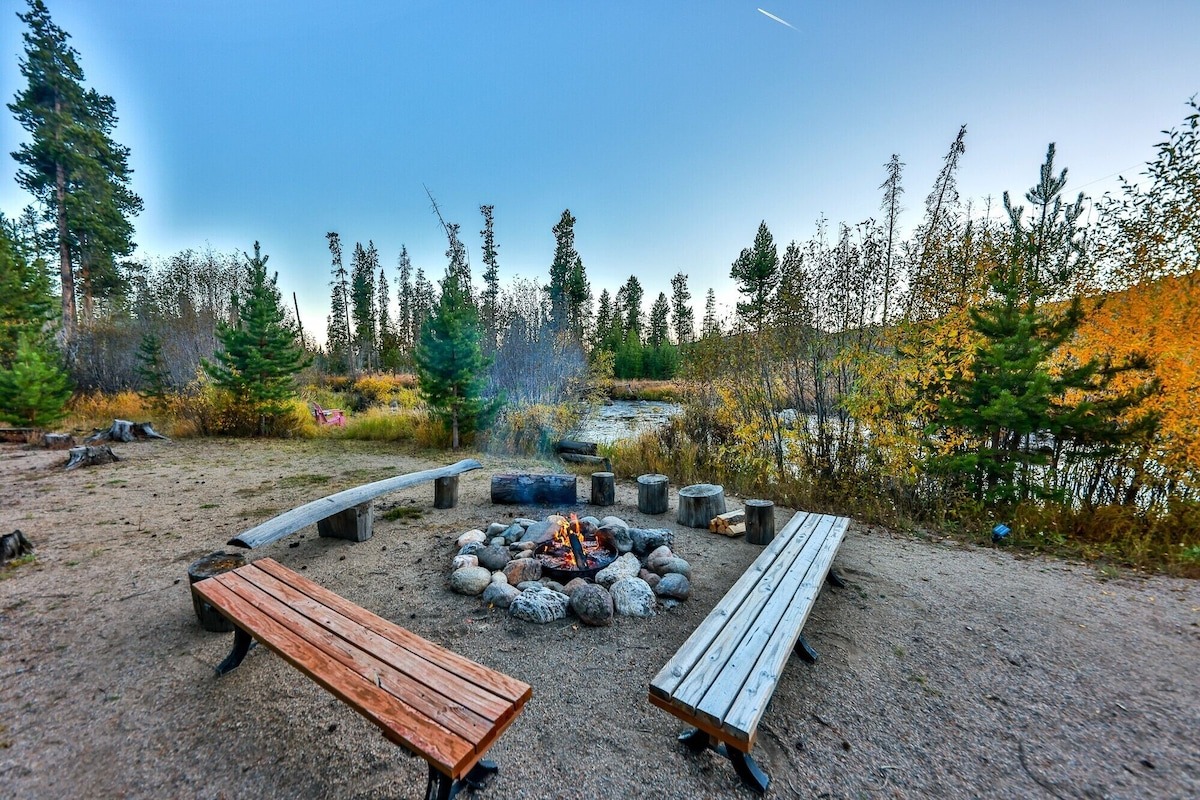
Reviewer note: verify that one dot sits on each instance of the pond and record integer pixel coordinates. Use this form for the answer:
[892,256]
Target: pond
[624,419]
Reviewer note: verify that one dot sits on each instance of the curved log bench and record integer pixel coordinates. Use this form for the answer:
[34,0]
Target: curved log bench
[349,514]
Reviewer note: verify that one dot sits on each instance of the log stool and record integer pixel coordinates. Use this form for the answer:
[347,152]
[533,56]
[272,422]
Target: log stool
[652,494]
[760,521]
[604,489]
[201,568]
[700,504]
[445,492]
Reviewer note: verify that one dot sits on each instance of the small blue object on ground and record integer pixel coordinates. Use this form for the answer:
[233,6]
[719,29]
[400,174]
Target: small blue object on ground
[1000,532]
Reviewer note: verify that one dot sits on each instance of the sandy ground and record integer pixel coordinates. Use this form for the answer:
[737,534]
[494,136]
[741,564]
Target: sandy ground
[945,671]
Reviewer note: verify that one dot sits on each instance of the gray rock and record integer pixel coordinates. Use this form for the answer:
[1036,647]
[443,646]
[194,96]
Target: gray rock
[517,547]
[513,533]
[650,578]
[593,605]
[648,539]
[554,586]
[470,580]
[496,529]
[498,541]
[675,585]
[523,569]
[464,561]
[675,565]
[633,597]
[574,584]
[499,577]
[611,520]
[471,536]
[658,554]
[541,607]
[494,557]
[530,586]
[524,522]
[539,532]
[626,566]
[618,535]
[470,548]
[500,595]
[590,520]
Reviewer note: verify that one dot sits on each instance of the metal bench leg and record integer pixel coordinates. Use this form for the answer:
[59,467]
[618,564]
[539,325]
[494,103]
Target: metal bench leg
[746,768]
[836,580]
[695,739]
[242,642]
[805,651]
[441,787]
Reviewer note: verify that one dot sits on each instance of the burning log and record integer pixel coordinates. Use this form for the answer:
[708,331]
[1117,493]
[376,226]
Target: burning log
[577,549]
[698,504]
[524,489]
[724,523]
[760,521]
[85,456]
[122,430]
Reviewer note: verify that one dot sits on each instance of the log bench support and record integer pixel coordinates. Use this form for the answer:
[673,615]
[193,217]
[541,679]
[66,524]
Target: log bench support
[722,678]
[431,701]
[445,492]
[353,524]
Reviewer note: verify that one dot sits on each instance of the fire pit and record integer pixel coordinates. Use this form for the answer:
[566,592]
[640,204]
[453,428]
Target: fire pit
[575,551]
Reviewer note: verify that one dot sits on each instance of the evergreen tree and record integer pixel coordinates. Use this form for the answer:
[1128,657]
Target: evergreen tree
[489,307]
[26,306]
[71,164]
[337,338]
[389,343]
[608,328]
[579,300]
[152,367]
[892,189]
[628,363]
[422,303]
[362,304]
[259,355]
[683,319]
[34,389]
[629,307]
[405,327]
[711,326]
[451,368]
[659,326]
[561,267]
[460,266]
[756,271]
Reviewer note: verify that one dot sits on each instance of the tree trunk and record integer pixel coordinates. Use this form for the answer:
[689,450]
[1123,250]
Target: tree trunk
[524,489]
[66,272]
[207,567]
[90,456]
[760,521]
[445,492]
[653,494]
[582,448]
[699,504]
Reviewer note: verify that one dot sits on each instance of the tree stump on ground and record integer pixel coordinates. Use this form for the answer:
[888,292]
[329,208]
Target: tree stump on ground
[760,521]
[653,494]
[698,504]
[85,456]
[122,430]
[445,492]
[212,564]
[14,545]
[525,489]
[604,489]
[58,441]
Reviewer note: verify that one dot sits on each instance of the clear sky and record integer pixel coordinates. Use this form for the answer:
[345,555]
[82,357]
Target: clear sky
[670,129]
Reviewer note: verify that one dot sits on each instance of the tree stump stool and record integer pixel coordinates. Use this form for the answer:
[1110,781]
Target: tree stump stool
[198,570]
[604,489]
[354,524]
[699,504]
[653,497]
[445,492]
[760,521]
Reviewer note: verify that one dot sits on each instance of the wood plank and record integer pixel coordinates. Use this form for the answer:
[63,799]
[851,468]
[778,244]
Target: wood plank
[453,689]
[745,745]
[750,705]
[677,669]
[778,616]
[495,682]
[441,748]
[310,513]
[739,625]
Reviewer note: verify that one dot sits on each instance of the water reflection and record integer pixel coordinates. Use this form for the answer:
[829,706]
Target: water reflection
[624,419]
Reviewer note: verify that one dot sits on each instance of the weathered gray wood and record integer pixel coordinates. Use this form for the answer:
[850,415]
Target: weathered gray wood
[723,522]
[604,489]
[581,448]
[760,521]
[526,489]
[86,456]
[122,430]
[353,524]
[445,492]
[14,545]
[653,494]
[698,504]
[206,567]
[595,461]
[305,515]
[58,441]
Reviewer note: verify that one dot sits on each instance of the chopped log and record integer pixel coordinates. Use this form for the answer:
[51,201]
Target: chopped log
[14,545]
[653,497]
[122,430]
[699,503]
[723,522]
[604,489]
[596,461]
[736,530]
[526,489]
[445,492]
[760,521]
[58,441]
[580,448]
[212,564]
[85,456]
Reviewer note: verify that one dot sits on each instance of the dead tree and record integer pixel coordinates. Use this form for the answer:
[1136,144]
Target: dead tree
[123,430]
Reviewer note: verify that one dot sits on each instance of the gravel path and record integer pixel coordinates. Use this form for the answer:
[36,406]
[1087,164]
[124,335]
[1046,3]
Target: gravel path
[945,671]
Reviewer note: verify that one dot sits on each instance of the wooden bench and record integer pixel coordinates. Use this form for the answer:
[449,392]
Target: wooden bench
[436,704]
[723,676]
[350,514]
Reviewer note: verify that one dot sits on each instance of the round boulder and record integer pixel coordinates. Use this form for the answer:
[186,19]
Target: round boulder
[500,595]
[520,570]
[673,585]
[539,606]
[593,605]
[494,557]
[627,566]
[464,561]
[633,597]
[470,580]
[472,536]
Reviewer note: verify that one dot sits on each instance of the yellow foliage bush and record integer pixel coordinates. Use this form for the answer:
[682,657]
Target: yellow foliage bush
[98,410]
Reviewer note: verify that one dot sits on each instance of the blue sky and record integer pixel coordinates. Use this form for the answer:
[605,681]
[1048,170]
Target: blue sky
[668,128]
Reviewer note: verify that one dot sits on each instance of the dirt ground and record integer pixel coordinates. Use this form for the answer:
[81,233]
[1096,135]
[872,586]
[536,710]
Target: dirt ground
[945,671]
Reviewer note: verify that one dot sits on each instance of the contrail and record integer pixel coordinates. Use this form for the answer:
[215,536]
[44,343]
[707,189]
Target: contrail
[777,19]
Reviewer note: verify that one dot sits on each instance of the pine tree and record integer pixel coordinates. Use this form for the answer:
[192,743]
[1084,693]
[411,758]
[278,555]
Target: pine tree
[389,343]
[362,304]
[152,367]
[26,306]
[561,267]
[34,389]
[629,363]
[259,355]
[405,326]
[659,326]
[460,266]
[341,353]
[579,301]
[629,307]
[892,189]
[451,368]
[608,328]
[683,319]
[712,325]
[489,307]
[756,271]
[422,304]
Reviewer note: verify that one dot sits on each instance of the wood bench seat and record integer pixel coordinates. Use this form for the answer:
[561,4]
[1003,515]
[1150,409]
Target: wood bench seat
[723,676]
[435,703]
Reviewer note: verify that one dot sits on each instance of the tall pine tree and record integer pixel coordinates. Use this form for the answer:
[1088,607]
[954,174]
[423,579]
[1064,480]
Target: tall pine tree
[489,306]
[683,319]
[756,271]
[362,304]
[560,272]
[337,338]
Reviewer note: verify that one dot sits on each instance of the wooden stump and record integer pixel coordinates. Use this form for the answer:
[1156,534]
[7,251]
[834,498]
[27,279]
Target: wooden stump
[14,545]
[654,494]
[760,521]
[524,489]
[699,503]
[85,456]
[210,565]
[604,489]
[445,492]
[122,430]
[353,524]
[58,441]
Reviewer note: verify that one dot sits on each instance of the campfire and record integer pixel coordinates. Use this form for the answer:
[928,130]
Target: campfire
[575,551]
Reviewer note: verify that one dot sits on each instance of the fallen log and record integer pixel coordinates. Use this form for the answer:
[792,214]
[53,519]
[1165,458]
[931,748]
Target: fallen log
[14,545]
[16,434]
[723,522]
[122,430]
[526,489]
[595,461]
[581,448]
[86,456]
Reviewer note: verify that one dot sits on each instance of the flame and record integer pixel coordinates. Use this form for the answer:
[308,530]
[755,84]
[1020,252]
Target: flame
[562,539]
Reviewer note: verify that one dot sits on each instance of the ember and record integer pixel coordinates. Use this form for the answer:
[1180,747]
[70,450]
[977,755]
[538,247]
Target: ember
[574,552]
